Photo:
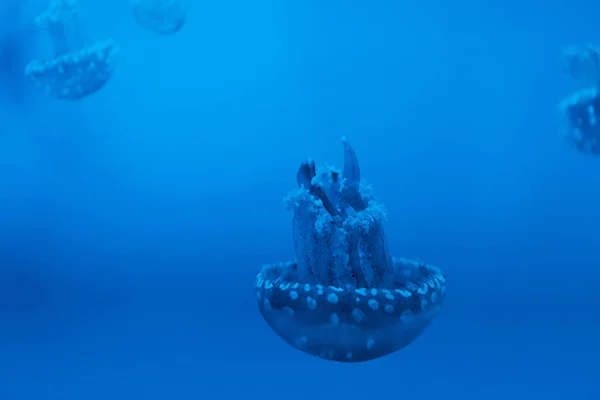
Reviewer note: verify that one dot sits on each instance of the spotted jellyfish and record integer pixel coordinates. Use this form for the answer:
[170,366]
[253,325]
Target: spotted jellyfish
[76,69]
[345,298]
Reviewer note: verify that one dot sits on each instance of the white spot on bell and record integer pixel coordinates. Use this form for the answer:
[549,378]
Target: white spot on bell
[289,311]
[403,293]
[293,295]
[406,317]
[267,305]
[370,343]
[332,298]
[373,304]
[358,315]
[301,341]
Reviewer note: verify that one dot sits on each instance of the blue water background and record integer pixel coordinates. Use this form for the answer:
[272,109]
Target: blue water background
[132,223]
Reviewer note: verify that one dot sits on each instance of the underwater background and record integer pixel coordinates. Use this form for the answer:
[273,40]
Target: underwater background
[133,221]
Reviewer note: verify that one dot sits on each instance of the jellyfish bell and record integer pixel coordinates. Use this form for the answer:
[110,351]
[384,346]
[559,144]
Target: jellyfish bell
[345,298]
[76,75]
[350,324]
[75,70]
[164,17]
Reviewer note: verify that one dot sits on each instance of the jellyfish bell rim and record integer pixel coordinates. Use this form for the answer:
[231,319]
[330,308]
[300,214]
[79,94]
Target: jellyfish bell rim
[350,324]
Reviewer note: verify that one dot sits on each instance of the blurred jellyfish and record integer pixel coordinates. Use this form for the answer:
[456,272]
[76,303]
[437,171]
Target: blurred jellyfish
[582,108]
[582,63]
[164,17]
[76,70]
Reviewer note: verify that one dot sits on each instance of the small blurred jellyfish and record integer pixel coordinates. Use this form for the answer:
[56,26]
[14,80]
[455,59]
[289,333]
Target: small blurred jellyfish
[164,17]
[582,108]
[76,70]
[582,63]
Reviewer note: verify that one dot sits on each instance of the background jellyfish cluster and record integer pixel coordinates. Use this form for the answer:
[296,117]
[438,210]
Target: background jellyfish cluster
[80,66]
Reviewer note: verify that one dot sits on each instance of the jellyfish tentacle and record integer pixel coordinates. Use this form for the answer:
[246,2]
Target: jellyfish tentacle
[368,221]
[354,260]
[304,178]
[337,232]
[327,203]
[350,195]
[304,234]
[351,165]
[306,173]
[350,190]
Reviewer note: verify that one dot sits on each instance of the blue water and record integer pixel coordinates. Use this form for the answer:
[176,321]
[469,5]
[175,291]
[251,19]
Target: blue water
[132,222]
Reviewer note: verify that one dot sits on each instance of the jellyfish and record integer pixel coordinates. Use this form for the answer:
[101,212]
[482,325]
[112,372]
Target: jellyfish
[344,297]
[581,109]
[164,17]
[582,63]
[75,70]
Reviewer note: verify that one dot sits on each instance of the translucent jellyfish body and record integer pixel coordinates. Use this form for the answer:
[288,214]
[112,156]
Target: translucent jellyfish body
[164,17]
[582,108]
[75,70]
[345,298]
